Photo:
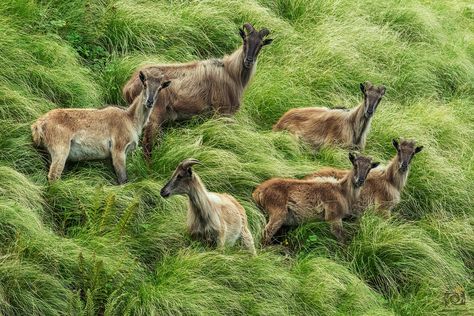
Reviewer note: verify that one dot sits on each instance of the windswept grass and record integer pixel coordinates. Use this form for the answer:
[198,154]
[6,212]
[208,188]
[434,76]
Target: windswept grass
[401,261]
[86,246]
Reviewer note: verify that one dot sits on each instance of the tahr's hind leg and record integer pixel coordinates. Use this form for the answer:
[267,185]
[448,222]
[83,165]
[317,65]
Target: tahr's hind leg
[247,239]
[221,239]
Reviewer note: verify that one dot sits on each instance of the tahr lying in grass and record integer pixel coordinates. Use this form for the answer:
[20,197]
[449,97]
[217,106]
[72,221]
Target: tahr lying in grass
[89,134]
[383,185]
[291,202]
[207,86]
[319,126]
[214,218]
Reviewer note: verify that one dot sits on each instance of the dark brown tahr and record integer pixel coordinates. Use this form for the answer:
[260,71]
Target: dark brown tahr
[214,218]
[292,202]
[383,186]
[87,134]
[201,87]
[320,126]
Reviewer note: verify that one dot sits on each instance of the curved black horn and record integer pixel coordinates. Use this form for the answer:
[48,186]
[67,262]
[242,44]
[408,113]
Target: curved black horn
[264,32]
[249,27]
[142,77]
[185,164]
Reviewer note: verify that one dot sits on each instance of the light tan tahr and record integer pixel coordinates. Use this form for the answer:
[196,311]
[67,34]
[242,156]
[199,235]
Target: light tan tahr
[214,218]
[322,126]
[291,202]
[383,185]
[201,87]
[90,134]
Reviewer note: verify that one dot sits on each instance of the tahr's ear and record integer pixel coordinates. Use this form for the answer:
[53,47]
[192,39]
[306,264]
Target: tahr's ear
[382,90]
[395,143]
[165,84]
[142,77]
[267,41]
[352,157]
[242,33]
[375,164]
[362,88]
[418,149]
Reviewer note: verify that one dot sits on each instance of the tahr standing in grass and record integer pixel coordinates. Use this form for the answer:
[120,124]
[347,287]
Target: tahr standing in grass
[383,186]
[291,202]
[90,134]
[214,218]
[208,86]
[320,126]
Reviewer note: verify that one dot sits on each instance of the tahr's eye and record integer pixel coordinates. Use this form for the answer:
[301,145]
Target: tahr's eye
[179,176]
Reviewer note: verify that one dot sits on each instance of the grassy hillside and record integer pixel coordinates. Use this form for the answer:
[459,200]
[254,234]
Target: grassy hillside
[84,246]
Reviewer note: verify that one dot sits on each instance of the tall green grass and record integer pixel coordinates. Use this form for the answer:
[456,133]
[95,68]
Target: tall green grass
[86,246]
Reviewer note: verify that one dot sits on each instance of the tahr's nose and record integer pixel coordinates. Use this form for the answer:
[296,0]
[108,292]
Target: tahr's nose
[248,62]
[164,193]
[360,182]
[149,103]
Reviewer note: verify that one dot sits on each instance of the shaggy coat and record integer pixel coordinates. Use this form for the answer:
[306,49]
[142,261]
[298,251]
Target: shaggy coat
[383,186]
[319,126]
[201,87]
[89,134]
[214,218]
[292,202]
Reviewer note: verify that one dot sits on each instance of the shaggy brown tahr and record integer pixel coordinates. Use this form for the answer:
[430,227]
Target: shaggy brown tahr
[214,218]
[201,87]
[290,202]
[88,134]
[347,128]
[383,186]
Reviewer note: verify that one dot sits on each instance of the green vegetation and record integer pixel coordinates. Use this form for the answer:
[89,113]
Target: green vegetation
[84,246]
